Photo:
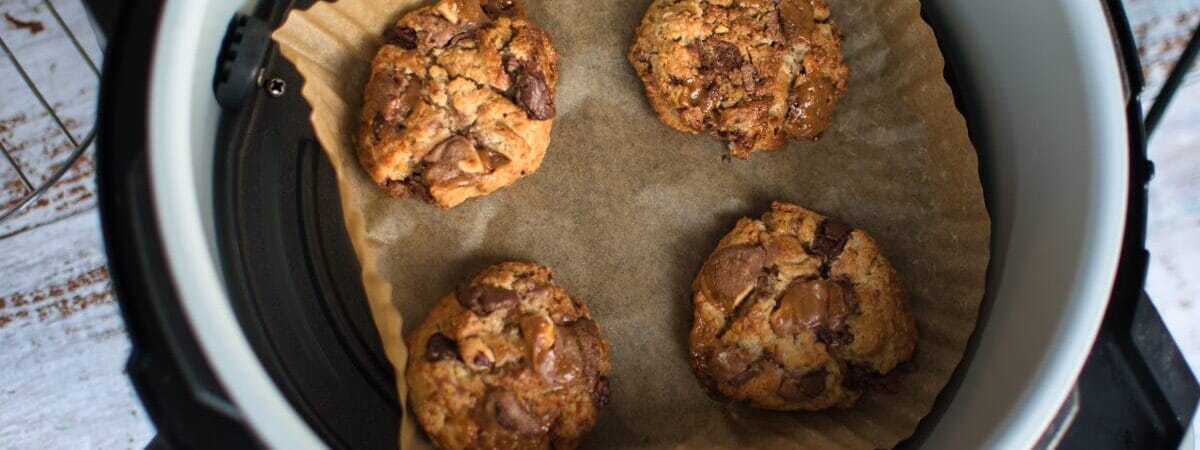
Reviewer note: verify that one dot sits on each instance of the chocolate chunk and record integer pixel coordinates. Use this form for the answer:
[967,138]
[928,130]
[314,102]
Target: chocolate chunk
[720,56]
[392,98]
[802,387]
[729,363]
[751,371]
[468,16]
[496,9]
[796,19]
[506,407]
[859,377]
[445,163]
[410,187]
[533,93]
[834,338]
[810,304]
[403,37]
[702,95]
[484,299]
[810,108]
[492,160]
[603,392]
[830,239]
[577,347]
[731,272]
[440,347]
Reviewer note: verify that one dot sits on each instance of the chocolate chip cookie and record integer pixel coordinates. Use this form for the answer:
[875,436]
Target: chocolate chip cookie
[508,361]
[797,311]
[750,72]
[460,101]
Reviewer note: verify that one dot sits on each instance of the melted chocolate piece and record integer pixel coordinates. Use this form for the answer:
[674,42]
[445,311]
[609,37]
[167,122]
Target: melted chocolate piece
[720,56]
[471,18]
[813,304]
[703,96]
[577,347]
[403,37]
[831,239]
[484,299]
[443,162]
[796,19]
[504,8]
[730,363]
[810,108]
[533,93]
[392,99]
[802,387]
[492,160]
[410,187]
[439,347]
[752,371]
[509,413]
[731,272]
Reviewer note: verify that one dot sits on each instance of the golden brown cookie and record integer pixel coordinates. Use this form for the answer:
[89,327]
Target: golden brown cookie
[460,101]
[508,361]
[797,311]
[751,72]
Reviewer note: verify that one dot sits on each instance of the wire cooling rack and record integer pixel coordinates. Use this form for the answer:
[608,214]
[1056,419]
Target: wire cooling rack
[34,191]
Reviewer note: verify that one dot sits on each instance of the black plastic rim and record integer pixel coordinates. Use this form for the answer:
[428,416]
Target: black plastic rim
[179,391]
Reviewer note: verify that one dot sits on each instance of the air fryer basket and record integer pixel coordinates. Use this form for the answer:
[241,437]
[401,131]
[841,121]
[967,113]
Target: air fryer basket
[295,281]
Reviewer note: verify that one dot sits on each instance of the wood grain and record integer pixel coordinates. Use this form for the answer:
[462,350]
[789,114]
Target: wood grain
[62,342]
[28,131]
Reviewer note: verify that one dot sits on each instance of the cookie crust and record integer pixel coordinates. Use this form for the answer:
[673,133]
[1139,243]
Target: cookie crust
[797,311]
[508,361]
[460,101]
[750,72]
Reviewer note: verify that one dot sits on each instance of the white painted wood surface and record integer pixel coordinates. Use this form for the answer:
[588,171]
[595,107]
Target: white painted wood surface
[62,342]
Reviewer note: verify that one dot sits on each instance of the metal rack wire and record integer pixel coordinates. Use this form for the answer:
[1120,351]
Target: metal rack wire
[33,192]
[1175,79]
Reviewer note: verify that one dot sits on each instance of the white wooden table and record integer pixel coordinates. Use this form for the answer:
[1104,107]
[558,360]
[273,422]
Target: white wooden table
[62,342]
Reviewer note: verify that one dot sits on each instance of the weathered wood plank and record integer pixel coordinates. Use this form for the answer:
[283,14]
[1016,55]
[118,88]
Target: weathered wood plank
[12,189]
[76,18]
[27,130]
[74,194]
[53,63]
[62,344]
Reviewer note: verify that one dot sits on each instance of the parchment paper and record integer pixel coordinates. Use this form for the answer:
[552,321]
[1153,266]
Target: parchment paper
[625,210]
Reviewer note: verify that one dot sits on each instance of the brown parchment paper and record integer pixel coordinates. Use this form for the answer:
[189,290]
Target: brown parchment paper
[626,210]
